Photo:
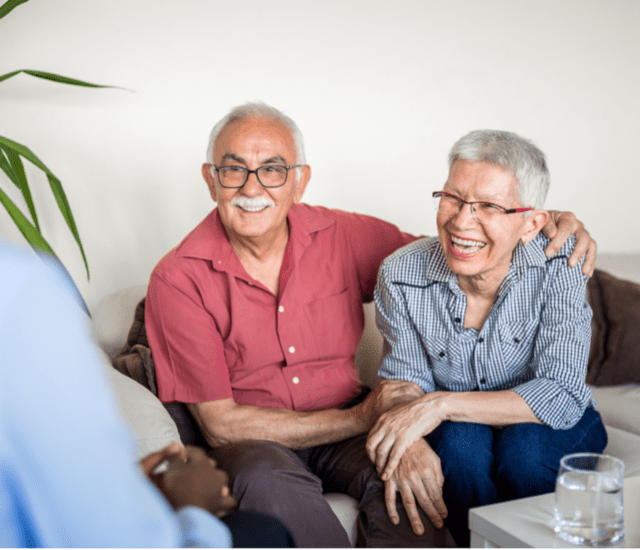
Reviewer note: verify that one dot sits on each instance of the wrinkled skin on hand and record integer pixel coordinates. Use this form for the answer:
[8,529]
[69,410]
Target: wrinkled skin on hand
[386,395]
[419,480]
[559,227]
[399,428]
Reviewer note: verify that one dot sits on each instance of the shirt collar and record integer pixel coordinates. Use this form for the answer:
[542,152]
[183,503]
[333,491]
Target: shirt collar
[436,268]
[208,241]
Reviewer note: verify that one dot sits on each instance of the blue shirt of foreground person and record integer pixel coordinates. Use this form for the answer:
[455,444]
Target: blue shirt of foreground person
[503,361]
[68,476]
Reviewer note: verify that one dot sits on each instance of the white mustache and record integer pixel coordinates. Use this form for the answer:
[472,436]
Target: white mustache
[254,204]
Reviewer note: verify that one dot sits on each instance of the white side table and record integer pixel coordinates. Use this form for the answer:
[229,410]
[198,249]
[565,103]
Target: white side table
[528,522]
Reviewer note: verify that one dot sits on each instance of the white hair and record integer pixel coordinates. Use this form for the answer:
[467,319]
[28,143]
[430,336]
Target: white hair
[513,153]
[257,110]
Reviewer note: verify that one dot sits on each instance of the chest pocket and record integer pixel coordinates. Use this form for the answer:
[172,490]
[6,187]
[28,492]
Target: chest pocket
[448,362]
[331,323]
[517,340]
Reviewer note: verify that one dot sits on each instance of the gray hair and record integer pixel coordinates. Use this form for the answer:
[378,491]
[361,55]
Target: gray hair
[513,153]
[257,110]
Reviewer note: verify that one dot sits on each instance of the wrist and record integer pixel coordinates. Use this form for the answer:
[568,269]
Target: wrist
[363,417]
[445,405]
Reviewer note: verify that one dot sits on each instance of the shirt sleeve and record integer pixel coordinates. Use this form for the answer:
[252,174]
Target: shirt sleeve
[68,473]
[403,354]
[371,241]
[186,345]
[558,394]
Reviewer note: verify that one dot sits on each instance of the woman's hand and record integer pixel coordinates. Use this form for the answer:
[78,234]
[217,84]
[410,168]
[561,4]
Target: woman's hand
[386,395]
[402,426]
[418,477]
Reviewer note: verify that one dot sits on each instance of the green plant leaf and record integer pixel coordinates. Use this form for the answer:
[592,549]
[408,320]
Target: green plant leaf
[5,166]
[23,184]
[10,5]
[33,236]
[57,78]
[65,209]
[56,188]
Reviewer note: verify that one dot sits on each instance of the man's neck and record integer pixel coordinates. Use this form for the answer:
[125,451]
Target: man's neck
[262,257]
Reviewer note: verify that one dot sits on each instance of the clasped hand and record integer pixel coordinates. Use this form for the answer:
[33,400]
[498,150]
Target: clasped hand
[406,462]
[190,479]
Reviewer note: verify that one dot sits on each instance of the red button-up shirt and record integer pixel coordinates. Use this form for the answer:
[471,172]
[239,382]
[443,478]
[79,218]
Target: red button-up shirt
[215,332]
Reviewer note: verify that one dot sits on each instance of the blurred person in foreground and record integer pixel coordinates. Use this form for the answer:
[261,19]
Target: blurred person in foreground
[68,474]
[502,364]
[253,321]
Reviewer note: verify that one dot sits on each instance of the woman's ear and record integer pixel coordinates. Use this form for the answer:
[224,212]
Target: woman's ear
[535,222]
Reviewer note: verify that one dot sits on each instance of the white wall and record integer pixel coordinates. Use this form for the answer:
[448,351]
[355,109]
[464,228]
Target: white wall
[380,89]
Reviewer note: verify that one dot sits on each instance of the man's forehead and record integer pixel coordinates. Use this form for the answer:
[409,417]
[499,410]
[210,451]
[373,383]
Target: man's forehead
[233,157]
[239,137]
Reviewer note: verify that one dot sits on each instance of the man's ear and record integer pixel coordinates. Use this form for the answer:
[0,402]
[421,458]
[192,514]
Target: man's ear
[303,180]
[207,174]
[535,222]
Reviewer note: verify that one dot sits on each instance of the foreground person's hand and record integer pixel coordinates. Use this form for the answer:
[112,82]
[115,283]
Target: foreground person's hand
[150,462]
[418,477]
[196,482]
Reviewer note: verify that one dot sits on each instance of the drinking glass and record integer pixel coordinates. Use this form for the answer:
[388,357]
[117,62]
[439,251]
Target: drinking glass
[588,505]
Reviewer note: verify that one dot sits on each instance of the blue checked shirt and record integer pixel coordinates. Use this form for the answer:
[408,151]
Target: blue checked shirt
[535,340]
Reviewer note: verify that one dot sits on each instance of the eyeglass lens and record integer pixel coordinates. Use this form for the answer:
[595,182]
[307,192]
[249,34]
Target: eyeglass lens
[482,212]
[269,176]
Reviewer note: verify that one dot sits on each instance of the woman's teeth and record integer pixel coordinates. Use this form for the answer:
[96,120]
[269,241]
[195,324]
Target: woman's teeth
[466,246]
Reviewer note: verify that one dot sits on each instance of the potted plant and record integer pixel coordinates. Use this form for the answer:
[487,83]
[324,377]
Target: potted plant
[11,163]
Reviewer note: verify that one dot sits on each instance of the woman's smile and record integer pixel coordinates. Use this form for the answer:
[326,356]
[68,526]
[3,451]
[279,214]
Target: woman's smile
[465,248]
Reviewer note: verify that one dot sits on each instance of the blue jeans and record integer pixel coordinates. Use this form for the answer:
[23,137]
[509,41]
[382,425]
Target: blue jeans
[484,465]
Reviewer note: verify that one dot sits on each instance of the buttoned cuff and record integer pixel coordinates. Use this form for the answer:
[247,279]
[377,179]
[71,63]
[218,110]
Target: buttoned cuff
[554,406]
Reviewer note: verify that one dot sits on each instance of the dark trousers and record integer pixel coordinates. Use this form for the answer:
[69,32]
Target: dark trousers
[484,465]
[253,530]
[269,478]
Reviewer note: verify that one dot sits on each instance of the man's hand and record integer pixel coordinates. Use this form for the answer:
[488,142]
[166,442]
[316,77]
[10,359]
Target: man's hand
[417,477]
[195,481]
[559,227]
[386,395]
[397,429]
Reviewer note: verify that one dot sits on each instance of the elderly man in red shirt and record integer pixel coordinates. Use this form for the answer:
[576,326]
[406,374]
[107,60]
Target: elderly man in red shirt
[253,321]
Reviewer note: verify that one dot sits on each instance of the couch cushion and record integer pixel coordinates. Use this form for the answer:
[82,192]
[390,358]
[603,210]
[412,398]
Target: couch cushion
[626,447]
[111,318]
[151,424]
[614,357]
[619,406]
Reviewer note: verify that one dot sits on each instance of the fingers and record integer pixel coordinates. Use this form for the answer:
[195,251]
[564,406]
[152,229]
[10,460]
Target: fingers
[409,503]
[152,461]
[390,490]
[589,265]
[585,246]
[560,233]
[394,456]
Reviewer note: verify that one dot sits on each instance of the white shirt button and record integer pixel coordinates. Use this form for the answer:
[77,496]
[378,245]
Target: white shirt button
[292,349]
[295,380]
[281,309]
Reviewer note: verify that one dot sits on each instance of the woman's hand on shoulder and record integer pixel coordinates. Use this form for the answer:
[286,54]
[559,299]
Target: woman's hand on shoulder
[400,427]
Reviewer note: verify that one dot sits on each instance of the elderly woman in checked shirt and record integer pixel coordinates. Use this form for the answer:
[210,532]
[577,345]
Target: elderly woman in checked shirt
[495,334]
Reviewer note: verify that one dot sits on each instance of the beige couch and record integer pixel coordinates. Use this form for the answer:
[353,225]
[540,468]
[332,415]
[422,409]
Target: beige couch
[154,428]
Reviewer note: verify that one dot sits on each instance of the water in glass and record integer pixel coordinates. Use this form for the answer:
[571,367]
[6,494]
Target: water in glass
[588,505]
